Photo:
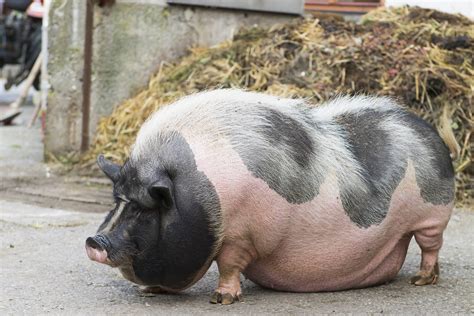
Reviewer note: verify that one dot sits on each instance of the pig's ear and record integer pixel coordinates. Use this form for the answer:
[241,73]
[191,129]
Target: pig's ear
[161,192]
[110,169]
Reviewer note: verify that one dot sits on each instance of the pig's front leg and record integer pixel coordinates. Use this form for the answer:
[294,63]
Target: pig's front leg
[232,259]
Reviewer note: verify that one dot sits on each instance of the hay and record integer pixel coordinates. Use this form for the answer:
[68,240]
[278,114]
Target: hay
[422,57]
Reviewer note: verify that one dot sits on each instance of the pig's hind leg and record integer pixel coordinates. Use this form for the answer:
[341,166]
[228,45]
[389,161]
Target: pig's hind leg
[232,259]
[430,241]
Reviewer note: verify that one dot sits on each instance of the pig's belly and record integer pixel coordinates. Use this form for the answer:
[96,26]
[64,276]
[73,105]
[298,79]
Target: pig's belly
[302,266]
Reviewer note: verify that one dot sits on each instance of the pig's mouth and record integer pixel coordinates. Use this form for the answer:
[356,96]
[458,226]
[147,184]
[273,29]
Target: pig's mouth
[100,249]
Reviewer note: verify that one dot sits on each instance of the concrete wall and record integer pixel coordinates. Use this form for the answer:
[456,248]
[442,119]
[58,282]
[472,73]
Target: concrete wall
[131,39]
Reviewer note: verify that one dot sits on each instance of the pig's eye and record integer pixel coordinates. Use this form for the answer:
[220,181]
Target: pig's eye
[139,206]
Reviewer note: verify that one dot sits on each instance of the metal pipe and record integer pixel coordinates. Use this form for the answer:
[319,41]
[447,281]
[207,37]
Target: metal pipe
[86,76]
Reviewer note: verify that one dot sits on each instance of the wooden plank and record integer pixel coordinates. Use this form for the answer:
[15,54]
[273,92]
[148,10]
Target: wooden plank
[357,7]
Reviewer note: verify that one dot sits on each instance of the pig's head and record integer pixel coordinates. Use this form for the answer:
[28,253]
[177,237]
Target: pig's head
[146,236]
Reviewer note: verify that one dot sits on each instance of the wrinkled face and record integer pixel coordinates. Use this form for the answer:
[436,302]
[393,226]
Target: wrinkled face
[129,237]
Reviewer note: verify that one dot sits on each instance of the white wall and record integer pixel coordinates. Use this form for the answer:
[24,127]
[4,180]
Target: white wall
[465,7]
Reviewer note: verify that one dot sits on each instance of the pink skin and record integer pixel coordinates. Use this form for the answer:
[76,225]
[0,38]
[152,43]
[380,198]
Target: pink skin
[313,246]
[96,255]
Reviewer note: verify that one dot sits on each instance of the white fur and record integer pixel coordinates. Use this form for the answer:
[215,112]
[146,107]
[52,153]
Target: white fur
[346,104]
[201,110]
[114,218]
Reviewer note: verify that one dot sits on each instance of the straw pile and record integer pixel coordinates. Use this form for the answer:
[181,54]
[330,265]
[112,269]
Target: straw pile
[424,58]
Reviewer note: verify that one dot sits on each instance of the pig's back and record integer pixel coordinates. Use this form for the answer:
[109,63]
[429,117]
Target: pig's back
[366,142]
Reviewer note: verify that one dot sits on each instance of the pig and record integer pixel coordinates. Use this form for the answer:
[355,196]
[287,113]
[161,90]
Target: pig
[296,197]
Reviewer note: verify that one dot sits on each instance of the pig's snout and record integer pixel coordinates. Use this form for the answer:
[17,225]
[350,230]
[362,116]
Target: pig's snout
[96,248]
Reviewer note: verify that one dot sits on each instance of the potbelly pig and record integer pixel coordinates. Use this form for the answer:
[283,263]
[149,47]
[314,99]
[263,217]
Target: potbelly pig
[296,197]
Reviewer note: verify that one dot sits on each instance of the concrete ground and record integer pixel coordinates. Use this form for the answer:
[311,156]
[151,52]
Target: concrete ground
[45,219]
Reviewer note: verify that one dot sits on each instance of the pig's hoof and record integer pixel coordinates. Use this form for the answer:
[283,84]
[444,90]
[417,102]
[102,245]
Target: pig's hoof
[225,299]
[425,278]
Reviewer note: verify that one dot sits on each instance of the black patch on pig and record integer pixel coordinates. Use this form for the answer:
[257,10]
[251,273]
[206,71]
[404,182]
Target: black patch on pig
[436,180]
[280,139]
[174,244]
[382,169]
[288,134]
